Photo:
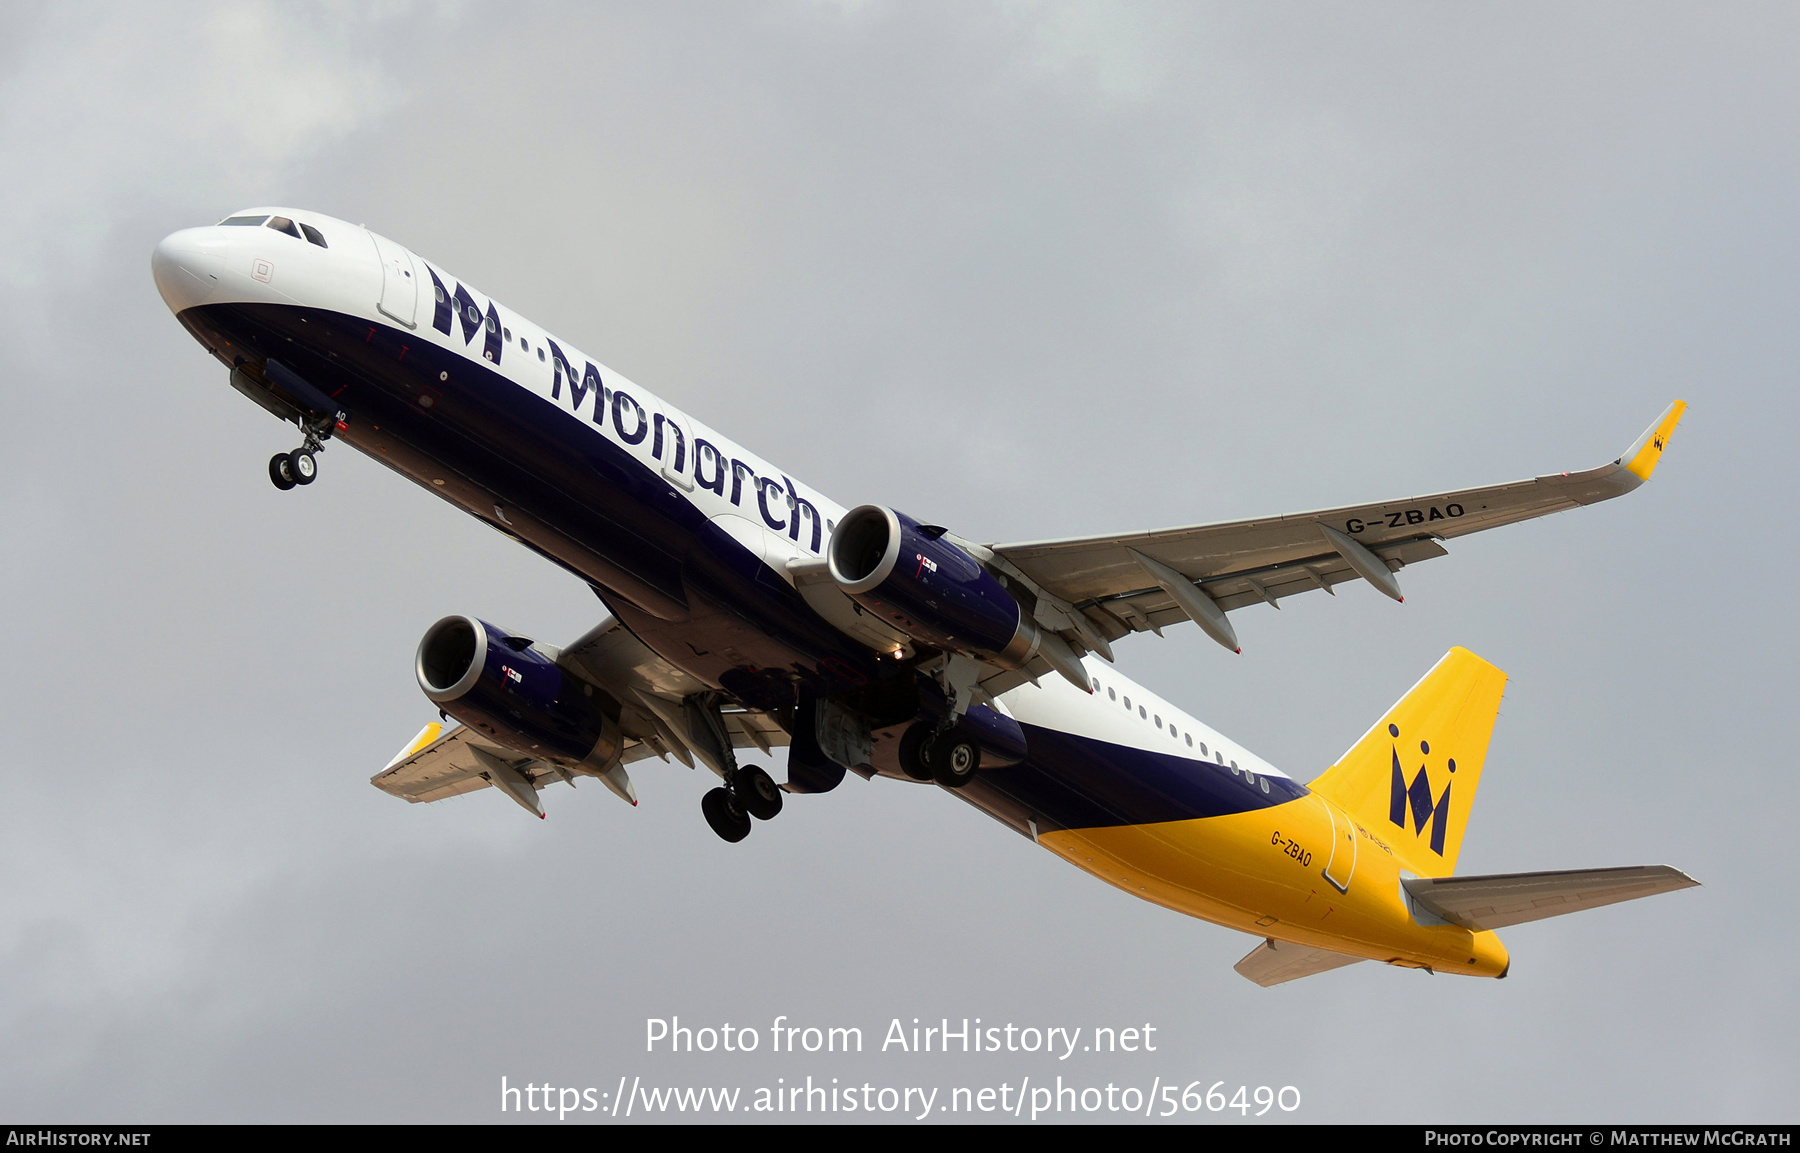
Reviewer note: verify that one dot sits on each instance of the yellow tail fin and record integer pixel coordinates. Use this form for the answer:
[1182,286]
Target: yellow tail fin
[1414,775]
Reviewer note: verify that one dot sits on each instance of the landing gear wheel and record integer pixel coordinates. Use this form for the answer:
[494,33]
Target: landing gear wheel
[915,752]
[302,467]
[725,815]
[278,471]
[955,759]
[758,793]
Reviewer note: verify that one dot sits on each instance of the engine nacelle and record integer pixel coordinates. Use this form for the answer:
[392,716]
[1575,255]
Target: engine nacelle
[499,685]
[928,588]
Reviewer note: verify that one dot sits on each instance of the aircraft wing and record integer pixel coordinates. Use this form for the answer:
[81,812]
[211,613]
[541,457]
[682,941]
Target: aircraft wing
[437,764]
[658,699]
[1129,583]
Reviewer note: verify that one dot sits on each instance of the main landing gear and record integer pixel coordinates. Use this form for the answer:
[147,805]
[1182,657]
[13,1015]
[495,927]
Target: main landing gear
[749,792]
[950,758]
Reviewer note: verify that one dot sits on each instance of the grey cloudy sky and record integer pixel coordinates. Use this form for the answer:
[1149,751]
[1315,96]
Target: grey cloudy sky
[1024,269]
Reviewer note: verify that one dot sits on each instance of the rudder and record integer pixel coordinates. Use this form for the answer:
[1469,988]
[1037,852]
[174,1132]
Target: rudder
[1415,773]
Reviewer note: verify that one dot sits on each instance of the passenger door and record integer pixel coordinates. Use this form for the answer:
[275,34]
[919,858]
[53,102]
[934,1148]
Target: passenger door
[675,449]
[399,281]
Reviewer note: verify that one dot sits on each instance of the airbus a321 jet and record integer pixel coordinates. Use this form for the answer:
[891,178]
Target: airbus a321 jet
[747,610]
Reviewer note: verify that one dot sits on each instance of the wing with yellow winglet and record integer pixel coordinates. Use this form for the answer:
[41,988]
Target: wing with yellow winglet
[439,763]
[1121,584]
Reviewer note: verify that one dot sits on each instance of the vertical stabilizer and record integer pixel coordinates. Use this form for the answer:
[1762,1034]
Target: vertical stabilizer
[1412,778]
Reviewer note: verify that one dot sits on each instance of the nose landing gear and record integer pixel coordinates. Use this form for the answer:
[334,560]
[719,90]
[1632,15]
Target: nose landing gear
[287,469]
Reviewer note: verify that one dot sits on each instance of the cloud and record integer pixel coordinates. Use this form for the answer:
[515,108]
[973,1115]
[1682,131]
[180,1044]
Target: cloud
[105,111]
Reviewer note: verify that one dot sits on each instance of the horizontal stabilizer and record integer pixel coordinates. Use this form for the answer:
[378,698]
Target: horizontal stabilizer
[1276,962]
[1504,899]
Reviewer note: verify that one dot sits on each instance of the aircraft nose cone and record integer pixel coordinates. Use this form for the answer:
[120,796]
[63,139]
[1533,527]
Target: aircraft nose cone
[188,270]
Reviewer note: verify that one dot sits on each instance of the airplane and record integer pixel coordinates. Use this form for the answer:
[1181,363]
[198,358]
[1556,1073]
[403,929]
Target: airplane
[745,610]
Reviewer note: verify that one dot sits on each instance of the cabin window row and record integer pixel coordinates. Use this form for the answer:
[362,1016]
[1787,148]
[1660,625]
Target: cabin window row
[1144,713]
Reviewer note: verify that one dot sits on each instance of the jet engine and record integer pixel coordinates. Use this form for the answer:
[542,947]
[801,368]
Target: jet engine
[501,686]
[931,590]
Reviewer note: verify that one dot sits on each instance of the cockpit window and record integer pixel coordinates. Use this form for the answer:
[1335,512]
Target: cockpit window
[283,224]
[314,235]
[247,221]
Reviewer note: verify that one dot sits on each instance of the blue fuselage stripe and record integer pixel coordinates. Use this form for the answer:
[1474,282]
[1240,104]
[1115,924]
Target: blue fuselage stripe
[1076,782]
[570,492]
[682,584]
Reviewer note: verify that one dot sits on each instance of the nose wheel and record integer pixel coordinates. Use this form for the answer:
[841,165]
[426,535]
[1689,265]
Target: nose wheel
[301,466]
[288,469]
[750,793]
